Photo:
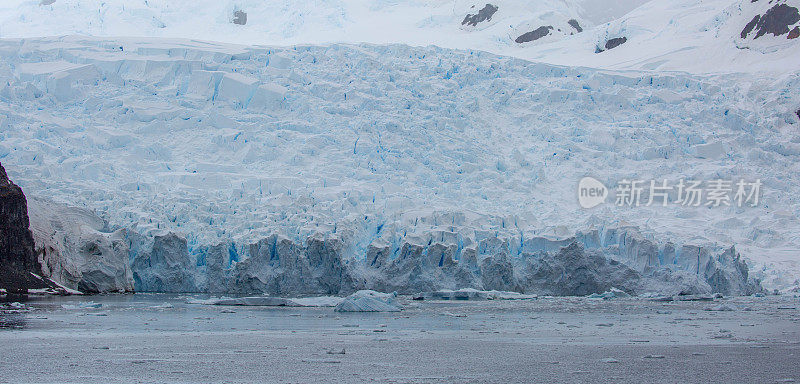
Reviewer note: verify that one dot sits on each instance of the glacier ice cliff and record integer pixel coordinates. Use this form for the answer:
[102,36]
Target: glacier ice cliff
[590,262]
[77,250]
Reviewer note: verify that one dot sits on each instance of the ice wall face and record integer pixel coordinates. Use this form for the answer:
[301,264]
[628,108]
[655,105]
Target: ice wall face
[165,266]
[77,250]
[576,271]
[322,266]
[373,164]
[689,269]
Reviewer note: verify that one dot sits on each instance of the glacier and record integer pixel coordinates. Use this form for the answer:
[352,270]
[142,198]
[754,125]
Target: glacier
[329,169]
[438,158]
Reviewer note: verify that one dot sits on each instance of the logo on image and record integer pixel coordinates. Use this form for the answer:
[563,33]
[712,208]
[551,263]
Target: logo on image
[591,192]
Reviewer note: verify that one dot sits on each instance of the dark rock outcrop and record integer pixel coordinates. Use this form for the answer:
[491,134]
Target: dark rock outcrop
[776,21]
[17,250]
[534,35]
[485,14]
[795,33]
[612,43]
[615,42]
[750,26]
[574,24]
[240,17]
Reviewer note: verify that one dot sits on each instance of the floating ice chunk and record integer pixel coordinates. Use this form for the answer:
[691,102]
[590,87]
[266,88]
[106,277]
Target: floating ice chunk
[369,301]
[604,324]
[694,298]
[321,301]
[610,361]
[471,294]
[612,293]
[210,301]
[267,301]
[722,308]
[83,305]
[257,301]
[684,298]
[14,307]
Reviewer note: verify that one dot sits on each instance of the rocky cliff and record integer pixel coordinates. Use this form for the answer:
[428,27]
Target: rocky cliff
[18,262]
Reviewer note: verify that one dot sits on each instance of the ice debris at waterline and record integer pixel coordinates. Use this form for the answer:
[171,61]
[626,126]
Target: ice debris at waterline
[83,305]
[267,301]
[471,294]
[369,301]
[613,293]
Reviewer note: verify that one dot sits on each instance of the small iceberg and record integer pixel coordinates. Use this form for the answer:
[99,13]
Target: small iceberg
[721,308]
[369,301]
[612,293]
[83,305]
[268,301]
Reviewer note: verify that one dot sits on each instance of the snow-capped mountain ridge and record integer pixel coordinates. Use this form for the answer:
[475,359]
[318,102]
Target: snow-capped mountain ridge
[684,35]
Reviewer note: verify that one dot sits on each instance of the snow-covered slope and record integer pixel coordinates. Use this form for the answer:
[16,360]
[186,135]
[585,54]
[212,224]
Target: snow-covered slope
[684,35]
[450,23]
